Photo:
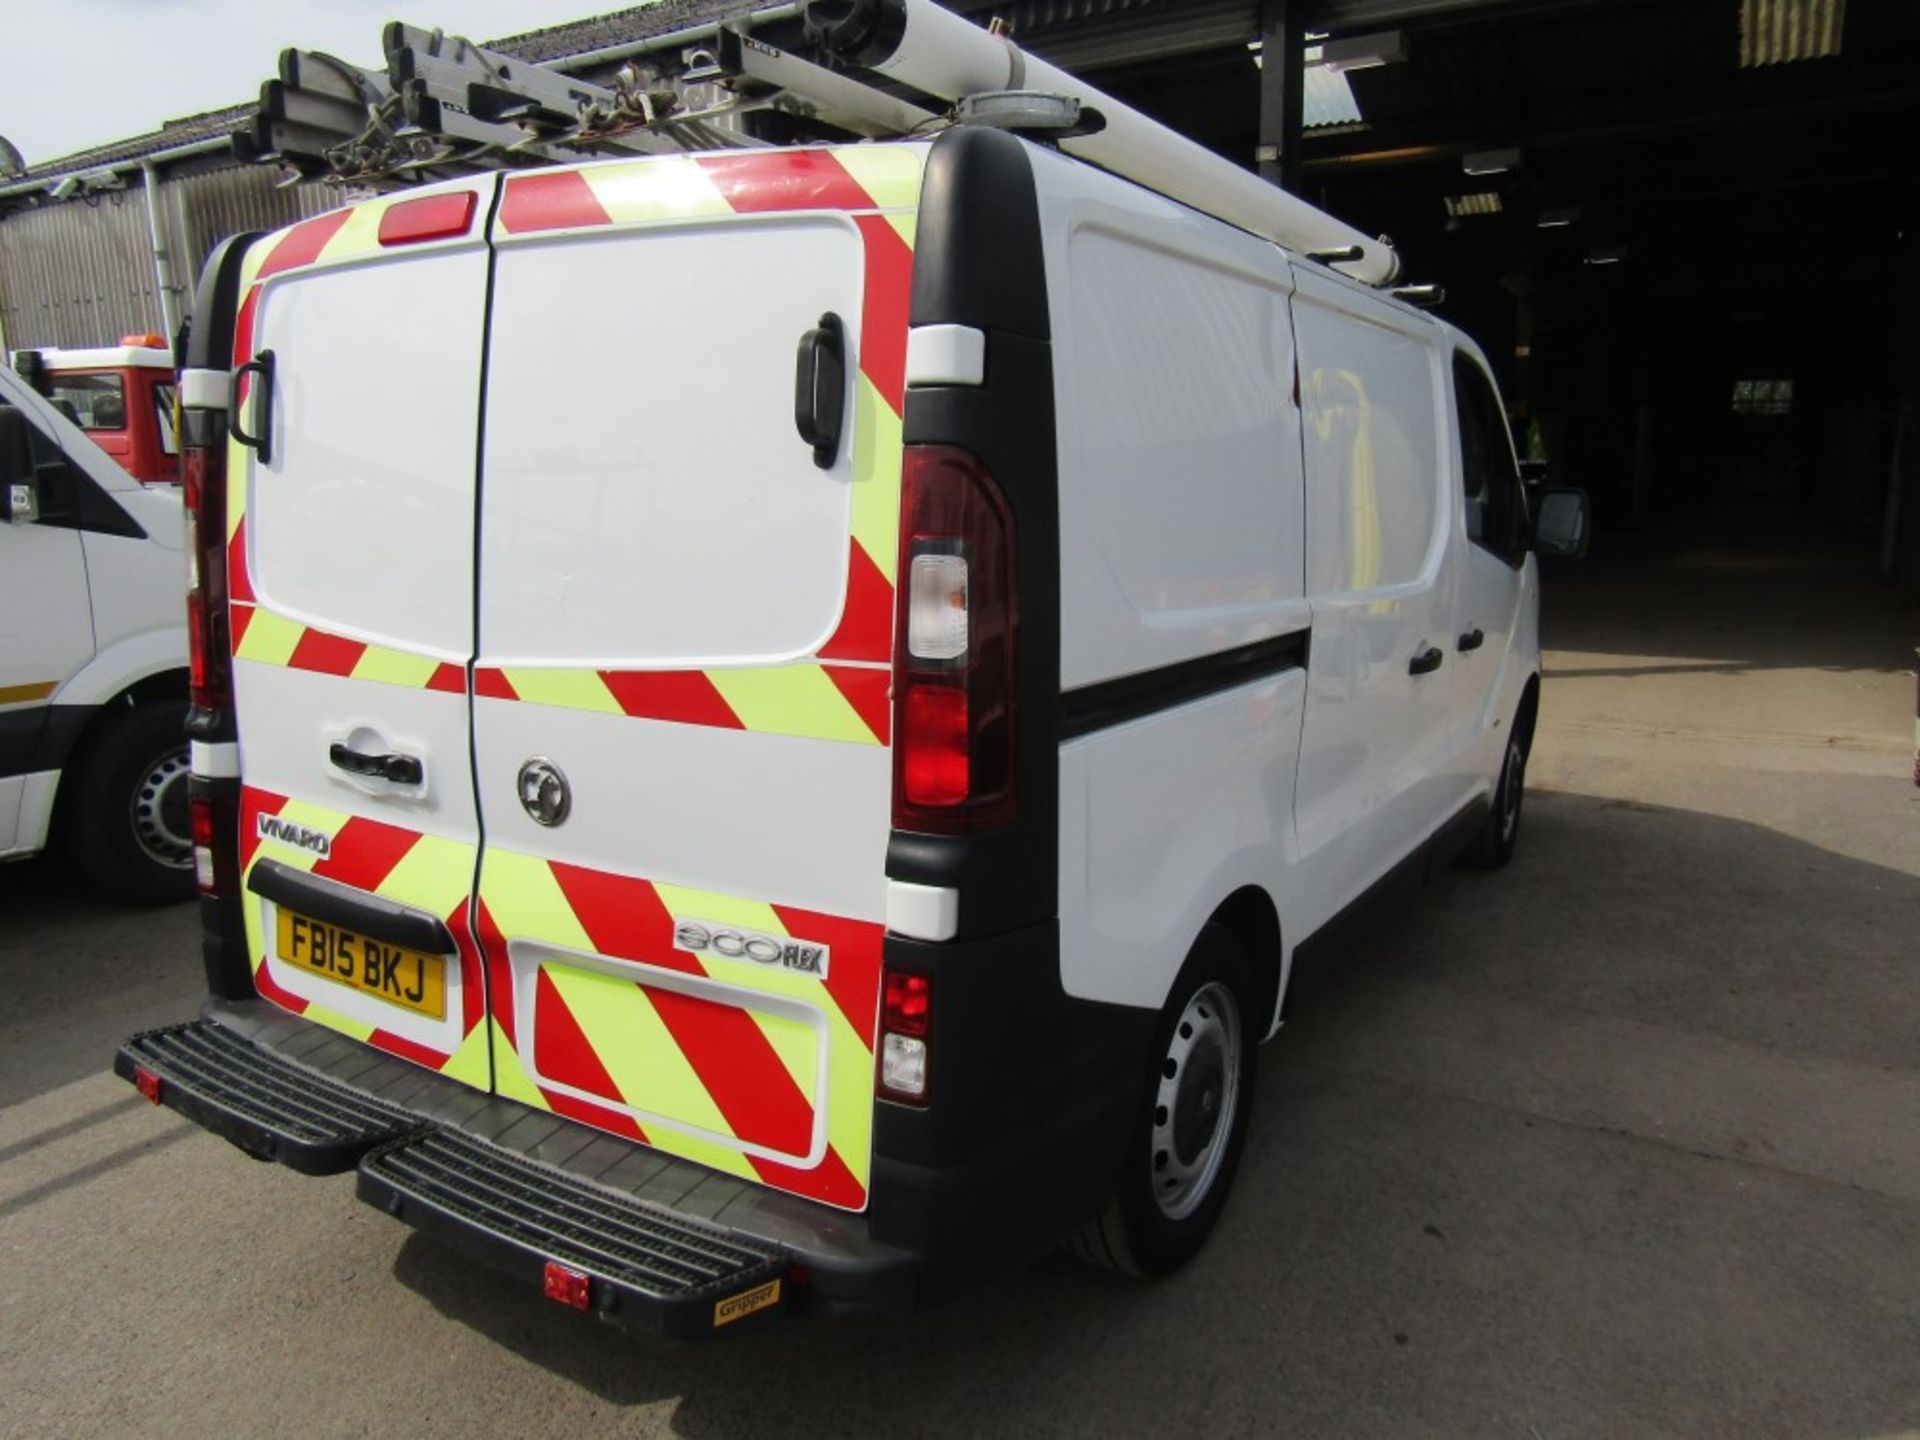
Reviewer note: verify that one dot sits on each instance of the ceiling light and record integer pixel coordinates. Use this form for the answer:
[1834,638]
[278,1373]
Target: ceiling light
[1490,162]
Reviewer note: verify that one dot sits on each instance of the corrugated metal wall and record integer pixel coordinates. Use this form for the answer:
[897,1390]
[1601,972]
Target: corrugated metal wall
[80,272]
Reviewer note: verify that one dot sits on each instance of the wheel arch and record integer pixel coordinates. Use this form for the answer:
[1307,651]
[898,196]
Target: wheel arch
[1250,916]
[1527,714]
[160,687]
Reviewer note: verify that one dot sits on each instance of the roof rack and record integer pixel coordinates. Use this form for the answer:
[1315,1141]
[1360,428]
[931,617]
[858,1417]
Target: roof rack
[445,107]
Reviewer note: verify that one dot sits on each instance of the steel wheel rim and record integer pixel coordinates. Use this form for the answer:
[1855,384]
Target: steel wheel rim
[161,822]
[1510,792]
[1196,1101]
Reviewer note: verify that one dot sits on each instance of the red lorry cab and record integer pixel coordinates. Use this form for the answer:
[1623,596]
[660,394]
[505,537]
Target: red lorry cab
[122,396]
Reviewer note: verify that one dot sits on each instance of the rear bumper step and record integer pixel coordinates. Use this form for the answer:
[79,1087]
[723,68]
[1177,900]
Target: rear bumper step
[587,1247]
[269,1106]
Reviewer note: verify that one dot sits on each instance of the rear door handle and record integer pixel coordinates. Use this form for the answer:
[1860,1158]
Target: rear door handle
[820,388]
[397,769]
[1426,661]
[1473,639]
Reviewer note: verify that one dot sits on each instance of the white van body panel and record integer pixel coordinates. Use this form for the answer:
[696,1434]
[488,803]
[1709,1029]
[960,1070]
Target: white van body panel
[1375,752]
[1249,446]
[1173,390]
[88,615]
[1173,368]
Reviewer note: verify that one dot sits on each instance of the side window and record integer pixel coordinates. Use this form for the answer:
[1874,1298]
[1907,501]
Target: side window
[95,402]
[163,403]
[1495,507]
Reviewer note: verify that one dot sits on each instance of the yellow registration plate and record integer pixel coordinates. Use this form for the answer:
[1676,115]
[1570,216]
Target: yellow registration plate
[410,979]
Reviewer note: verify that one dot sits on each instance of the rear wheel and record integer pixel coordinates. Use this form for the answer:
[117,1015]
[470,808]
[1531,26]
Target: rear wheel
[1186,1142]
[125,818]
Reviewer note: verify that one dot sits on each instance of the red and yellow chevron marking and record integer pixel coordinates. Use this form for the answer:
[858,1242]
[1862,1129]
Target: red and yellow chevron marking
[424,872]
[841,693]
[749,1069]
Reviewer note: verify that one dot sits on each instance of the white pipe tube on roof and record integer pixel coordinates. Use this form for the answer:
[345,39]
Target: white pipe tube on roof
[927,46]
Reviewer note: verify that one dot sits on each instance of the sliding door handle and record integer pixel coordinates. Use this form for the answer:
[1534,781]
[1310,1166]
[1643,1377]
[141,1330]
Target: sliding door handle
[1473,639]
[1426,660]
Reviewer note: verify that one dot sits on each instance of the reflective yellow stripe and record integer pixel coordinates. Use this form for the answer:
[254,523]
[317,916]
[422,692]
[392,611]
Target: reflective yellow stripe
[270,638]
[905,223]
[875,515]
[394,667]
[510,1077]
[435,875]
[334,1020]
[849,1061]
[570,689]
[37,690]
[358,236]
[643,1060]
[525,900]
[888,173]
[472,1063]
[662,188]
[791,700]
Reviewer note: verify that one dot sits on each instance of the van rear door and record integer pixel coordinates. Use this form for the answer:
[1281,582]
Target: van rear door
[681,690]
[351,571]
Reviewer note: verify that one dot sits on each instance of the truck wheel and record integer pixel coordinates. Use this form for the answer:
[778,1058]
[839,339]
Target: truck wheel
[1186,1143]
[125,818]
[1493,846]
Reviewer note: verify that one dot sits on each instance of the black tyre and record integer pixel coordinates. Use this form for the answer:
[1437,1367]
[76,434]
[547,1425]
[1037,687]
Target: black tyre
[1193,1120]
[1494,845]
[123,807]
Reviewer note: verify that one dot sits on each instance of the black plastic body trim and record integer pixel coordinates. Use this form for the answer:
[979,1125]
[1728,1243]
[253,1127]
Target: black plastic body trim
[1132,697]
[372,915]
[1033,1095]
[978,261]
[223,931]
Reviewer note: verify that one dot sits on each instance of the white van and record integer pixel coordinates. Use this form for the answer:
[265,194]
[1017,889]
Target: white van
[93,658]
[782,719]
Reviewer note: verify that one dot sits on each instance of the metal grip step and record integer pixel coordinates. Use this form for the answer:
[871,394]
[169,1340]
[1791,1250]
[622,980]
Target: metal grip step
[266,1105]
[591,1248]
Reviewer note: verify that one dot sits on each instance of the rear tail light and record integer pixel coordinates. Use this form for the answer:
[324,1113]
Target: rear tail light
[906,1023]
[565,1285]
[954,643]
[209,653]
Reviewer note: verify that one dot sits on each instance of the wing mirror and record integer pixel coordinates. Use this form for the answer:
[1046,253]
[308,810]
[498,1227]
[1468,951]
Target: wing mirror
[19,492]
[1562,524]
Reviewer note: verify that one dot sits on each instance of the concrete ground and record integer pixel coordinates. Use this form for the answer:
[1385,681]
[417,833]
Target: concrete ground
[1623,1141]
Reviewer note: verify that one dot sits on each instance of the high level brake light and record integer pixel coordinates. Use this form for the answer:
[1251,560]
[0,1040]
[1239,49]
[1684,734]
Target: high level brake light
[430,217]
[954,770]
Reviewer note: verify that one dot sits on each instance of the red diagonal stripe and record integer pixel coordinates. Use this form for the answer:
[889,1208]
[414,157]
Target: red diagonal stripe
[624,918]
[254,803]
[853,962]
[785,180]
[561,1050]
[870,692]
[473,985]
[830,1181]
[687,697]
[558,201]
[239,583]
[302,244]
[493,950]
[408,1049]
[601,1117]
[238,618]
[865,631]
[243,328]
[365,851]
[450,678]
[264,982]
[739,1069]
[883,318]
[492,684]
[328,654]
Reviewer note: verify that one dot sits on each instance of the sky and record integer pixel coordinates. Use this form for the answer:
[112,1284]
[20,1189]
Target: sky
[78,73]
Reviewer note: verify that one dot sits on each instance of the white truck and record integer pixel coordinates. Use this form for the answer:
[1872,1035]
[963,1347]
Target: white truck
[93,658]
[776,725]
